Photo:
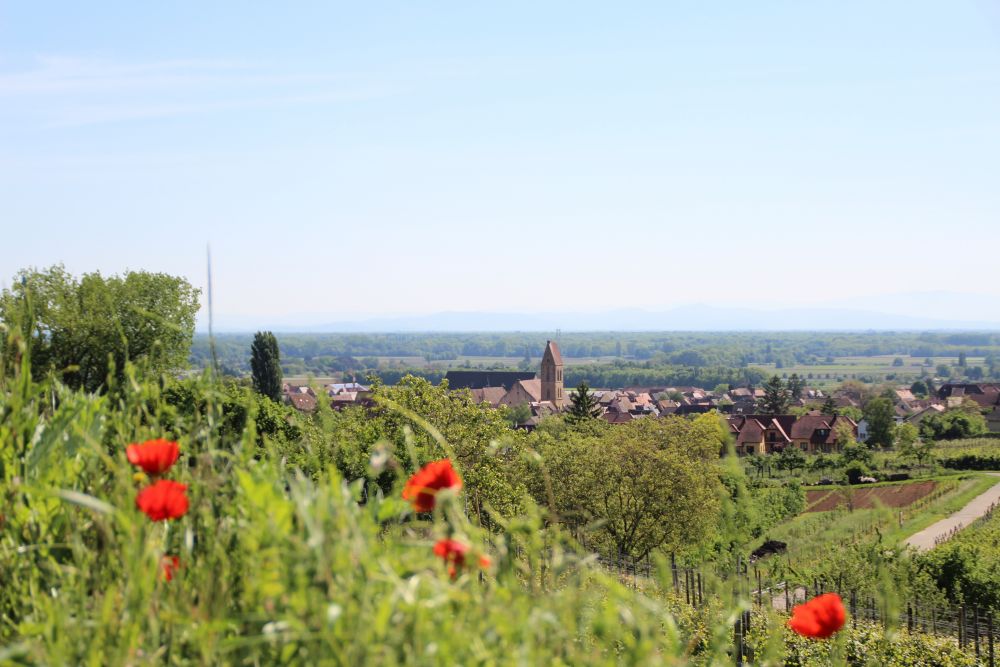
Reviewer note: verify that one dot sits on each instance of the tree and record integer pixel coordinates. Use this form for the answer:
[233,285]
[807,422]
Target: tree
[829,407]
[898,361]
[905,436]
[649,484]
[919,389]
[584,405]
[952,425]
[791,458]
[962,360]
[795,386]
[265,365]
[487,452]
[88,329]
[518,414]
[880,415]
[843,435]
[775,400]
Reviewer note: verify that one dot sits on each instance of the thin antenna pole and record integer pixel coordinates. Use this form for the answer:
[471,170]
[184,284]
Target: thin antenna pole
[211,334]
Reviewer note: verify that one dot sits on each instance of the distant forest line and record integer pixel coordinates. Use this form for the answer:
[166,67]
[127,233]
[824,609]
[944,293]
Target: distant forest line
[612,359]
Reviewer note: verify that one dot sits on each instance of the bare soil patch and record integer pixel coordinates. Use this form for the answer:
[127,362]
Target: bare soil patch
[901,495]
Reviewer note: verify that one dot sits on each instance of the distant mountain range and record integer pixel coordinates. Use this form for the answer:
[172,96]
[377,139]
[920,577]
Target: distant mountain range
[697,317]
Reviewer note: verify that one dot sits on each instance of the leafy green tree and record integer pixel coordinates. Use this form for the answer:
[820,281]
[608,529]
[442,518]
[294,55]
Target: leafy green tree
[265,365]
[518,414]
[952,425]
[962,360]
[843,435]
[775,399]
[919,389]
[583,406]
[649,484]
[851,412]
[791,458]
[87,329]
[487,452]
[905,436]
[856,453]
[880,415]
[829,407]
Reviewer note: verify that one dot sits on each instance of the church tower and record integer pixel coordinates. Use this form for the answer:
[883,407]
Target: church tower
[552,375]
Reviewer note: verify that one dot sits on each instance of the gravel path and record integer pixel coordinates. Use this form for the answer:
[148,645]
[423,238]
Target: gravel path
[925,539]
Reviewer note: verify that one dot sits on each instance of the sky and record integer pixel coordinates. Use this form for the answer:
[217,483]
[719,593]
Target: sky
[358,160]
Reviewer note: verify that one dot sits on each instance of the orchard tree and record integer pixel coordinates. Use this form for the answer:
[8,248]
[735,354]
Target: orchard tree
[265,365]
[88,329]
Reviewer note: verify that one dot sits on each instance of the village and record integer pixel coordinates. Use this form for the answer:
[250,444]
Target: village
[810,423]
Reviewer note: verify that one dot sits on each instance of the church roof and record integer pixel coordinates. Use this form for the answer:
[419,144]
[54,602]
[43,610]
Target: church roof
[552,353]
[482,379]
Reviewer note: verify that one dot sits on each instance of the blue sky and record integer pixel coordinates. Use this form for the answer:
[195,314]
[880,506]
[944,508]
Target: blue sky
[356,159]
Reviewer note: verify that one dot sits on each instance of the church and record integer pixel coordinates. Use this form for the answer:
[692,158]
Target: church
[542,392]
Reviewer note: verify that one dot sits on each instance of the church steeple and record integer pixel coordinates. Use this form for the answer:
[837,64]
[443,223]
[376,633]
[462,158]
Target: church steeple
[552,375]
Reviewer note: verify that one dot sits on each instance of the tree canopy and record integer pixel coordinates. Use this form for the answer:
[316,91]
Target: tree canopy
[85,329]
[265,365]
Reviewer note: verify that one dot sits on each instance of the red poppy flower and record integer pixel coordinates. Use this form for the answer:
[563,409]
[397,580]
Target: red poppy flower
[153,456]
[820,617]
[423,486]
[453,553]
[166,499]
[169,564]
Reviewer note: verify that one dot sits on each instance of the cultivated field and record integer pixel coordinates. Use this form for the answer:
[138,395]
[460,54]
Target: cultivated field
[902,495]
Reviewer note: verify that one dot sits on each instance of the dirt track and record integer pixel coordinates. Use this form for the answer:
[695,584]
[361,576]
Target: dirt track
[901,495]
[927,538]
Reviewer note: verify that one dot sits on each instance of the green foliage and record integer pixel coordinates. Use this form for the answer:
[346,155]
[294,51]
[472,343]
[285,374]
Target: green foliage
[795,386]
[791,458]
[518,414]
[265,365]
[967,567]
[86,329]
[627,478]
[952,425]
[583,405]
[880,415]
[488,452]
[860,645]
[775,400]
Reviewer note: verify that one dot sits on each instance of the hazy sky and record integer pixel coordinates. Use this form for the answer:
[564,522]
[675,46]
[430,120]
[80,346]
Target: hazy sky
[385,158]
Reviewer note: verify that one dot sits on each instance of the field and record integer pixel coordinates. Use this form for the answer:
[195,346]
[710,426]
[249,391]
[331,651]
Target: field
[896,495]
[845,368]
[811,535]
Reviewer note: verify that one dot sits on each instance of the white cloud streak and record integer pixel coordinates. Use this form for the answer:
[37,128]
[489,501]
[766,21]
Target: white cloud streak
[67,92]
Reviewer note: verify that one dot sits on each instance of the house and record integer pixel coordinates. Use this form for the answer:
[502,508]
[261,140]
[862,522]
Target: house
[491,395]
[770,434]
[920,415]
[816,433]
[523,391]
[302,401]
